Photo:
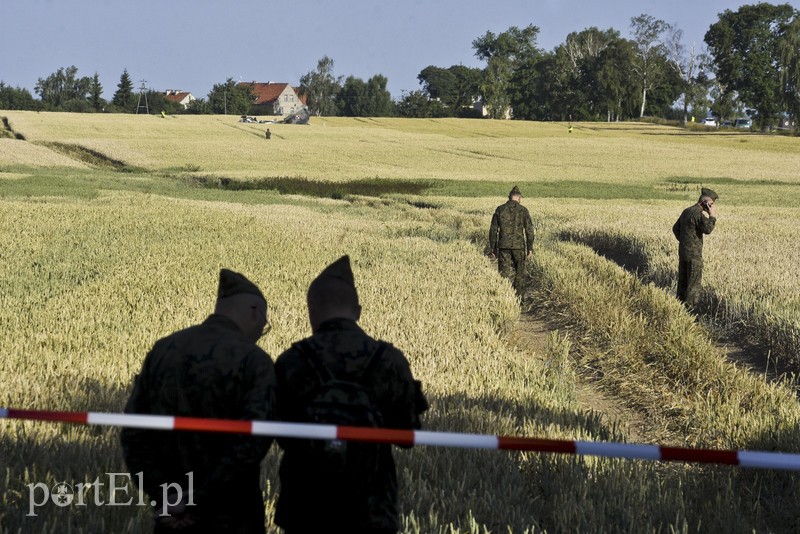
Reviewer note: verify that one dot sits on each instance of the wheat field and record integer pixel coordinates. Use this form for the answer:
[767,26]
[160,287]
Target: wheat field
[99,262]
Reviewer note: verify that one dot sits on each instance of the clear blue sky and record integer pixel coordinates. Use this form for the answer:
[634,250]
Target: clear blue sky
[193,44]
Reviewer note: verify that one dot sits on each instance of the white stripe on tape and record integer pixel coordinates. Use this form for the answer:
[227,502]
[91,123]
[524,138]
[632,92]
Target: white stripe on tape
[294,430]
[769,460]
[618,450]
[157,422]
[453,439]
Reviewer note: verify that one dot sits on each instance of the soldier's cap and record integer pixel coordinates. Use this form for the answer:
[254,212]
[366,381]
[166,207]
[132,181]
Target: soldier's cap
[339,270]
[233,283]
[514,191]
[706,192]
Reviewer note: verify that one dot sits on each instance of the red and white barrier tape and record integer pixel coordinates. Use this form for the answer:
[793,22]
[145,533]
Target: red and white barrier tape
[755,459]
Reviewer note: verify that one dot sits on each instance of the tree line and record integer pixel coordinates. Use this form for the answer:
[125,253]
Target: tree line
[750,65]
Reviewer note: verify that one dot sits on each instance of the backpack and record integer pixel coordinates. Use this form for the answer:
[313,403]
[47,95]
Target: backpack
[342,469]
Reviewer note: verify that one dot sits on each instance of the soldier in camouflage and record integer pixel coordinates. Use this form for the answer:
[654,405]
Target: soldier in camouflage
[694,222]
[214,370]
[511,239]
[309,500]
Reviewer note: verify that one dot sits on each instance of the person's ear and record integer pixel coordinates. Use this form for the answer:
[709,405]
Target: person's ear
[358,313]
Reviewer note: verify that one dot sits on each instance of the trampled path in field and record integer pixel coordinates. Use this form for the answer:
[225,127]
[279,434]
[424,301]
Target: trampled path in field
[530,336]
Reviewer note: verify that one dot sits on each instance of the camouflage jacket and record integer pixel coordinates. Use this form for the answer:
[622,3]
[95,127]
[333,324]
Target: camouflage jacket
[511,228]
[345,350]
[207,370]
[689,230]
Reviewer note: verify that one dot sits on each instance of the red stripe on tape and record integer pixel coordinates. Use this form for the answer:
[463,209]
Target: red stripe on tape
[41,415]
[699,455]
[213,425]
[532,444]
[377,435]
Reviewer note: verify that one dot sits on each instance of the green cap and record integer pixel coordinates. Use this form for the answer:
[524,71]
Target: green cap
[514,191]
[705,192]
[232,283]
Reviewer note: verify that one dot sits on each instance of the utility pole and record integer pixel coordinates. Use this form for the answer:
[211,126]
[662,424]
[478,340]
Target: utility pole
[143,94]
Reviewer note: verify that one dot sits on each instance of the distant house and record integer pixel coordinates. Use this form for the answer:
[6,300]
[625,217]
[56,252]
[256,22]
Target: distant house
[479,106]
[183,98]
[275,98]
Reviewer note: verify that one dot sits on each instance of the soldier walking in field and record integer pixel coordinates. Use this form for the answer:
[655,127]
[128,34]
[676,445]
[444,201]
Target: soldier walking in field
[340,375]
[694,222]
[214,370]
[511,239]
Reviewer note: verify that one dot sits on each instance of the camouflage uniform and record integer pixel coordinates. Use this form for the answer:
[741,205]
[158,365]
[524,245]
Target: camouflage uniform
[689,230]
[306,504]
[511,239]
[208,370]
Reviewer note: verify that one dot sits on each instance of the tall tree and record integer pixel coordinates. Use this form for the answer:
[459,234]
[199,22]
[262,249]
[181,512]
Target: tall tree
[744,45]
[96,93]
[689,64]
[789,50]
[352,100]
[617,83]
[650,63]
[456,87]
[123,97]
[580,62]
[231,98]
[320,87]
[504,53]
[63,89]
[379,98]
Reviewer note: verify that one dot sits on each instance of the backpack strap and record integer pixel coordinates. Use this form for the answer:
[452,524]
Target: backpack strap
[324,374]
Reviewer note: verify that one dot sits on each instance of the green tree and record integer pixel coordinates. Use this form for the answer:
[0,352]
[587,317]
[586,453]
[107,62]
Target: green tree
[580,63]
[123,97]
[96,100]
[351,100]
[320,88]
[418,104]
[617,82]
[379,99]
[504,53]
[199,106]
[745,48]
[16,98]
[789,57]
[63,89]
[456,87]
[689,64]
[231,98]
[650,61]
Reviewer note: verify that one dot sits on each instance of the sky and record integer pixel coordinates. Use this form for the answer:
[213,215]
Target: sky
[193,44]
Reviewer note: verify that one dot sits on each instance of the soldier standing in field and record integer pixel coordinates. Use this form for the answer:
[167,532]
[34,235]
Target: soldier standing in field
[340,375]
[511,239]
[214,370]
[694,222]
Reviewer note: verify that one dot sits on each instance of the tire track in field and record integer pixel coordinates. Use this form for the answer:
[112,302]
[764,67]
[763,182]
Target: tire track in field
[530,336]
